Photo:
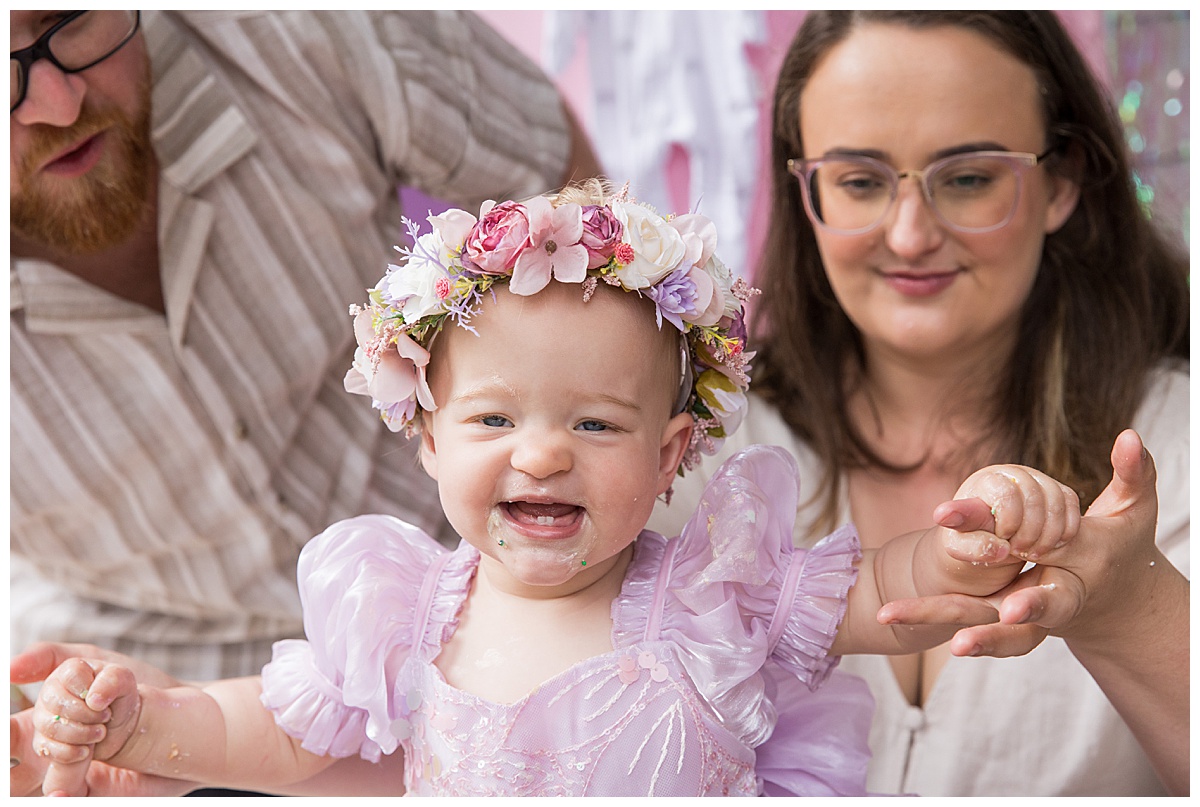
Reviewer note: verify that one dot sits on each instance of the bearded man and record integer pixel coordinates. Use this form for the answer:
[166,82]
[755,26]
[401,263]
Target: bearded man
[196,198]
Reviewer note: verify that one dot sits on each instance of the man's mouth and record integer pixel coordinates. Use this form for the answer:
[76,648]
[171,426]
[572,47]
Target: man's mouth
[78,159]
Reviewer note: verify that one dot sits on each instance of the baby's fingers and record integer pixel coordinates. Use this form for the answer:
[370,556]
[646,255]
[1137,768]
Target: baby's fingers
[111,682]
[1060,518]
[64,696]
[58,730]
[66,744]
[1032,511]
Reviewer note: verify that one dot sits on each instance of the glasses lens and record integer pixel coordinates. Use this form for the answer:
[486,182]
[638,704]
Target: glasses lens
[14,82]
[975,192]
[849,195]
[91,37]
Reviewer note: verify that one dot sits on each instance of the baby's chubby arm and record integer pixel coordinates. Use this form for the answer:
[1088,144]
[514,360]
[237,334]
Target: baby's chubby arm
[220,734]
[1001,517]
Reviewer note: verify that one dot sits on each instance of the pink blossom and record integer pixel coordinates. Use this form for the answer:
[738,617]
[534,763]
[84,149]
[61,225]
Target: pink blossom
[601,234]
[390,372]
[554,248]
[499,237]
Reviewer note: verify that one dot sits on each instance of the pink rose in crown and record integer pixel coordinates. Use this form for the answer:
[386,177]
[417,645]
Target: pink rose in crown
[494,243]
[601,234]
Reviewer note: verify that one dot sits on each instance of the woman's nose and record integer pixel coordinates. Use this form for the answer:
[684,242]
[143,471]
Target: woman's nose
[52,97]
[541,454]
[912,228]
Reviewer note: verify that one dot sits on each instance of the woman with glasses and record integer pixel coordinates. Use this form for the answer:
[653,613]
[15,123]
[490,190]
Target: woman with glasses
[957,273]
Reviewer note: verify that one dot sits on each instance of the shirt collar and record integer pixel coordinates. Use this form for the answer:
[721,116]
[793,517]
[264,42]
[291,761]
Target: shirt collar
[198,132]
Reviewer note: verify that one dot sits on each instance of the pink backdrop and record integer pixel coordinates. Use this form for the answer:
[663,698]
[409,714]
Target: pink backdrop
[1091,30]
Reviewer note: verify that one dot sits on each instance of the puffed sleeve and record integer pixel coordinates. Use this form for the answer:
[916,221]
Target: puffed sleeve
[740,594]
[359,581]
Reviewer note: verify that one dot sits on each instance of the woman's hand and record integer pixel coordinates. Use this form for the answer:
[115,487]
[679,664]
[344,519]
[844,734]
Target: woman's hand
[1080,590]
[1122,608]
[1098,587]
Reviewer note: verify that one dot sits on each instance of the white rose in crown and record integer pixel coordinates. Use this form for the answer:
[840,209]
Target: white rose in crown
[418,287]
[657,246]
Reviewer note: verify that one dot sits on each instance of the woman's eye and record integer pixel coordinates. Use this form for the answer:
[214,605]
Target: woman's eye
[861,184]
[495,421]
[592,426]
[967,182]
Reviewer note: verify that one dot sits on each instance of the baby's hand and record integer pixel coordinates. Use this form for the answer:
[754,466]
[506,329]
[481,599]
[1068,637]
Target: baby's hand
[1030,512]
[85,709]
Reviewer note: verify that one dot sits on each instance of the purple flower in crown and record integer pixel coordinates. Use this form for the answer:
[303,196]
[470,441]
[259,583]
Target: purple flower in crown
[499,237]
[736,326]
[674,297]
[601,233]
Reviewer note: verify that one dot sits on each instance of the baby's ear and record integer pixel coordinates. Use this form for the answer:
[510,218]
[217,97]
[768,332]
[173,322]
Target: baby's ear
[676,437]
[428,447]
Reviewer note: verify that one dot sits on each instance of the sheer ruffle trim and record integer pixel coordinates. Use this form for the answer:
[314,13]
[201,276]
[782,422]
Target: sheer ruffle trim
[359,582]
[450,593]
[721,602]
[807,630]
[309,707]
[631,607]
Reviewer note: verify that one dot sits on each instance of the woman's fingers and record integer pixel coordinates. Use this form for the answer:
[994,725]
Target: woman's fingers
[68,778]
[1045,595]
[943,609]
[999,641]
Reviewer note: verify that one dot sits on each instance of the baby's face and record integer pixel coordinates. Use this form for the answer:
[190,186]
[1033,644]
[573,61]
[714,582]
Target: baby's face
[553,433]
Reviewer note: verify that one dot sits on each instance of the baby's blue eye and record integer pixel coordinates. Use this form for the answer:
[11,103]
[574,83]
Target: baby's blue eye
[592,426]
[497,421]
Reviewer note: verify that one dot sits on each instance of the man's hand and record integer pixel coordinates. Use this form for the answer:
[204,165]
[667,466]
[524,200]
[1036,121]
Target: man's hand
[28,769]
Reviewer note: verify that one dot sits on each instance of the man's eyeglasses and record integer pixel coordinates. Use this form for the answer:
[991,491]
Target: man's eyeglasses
[975,192]
[78,41]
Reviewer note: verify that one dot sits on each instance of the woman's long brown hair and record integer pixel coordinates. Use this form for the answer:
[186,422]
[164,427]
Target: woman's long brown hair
[1109,302]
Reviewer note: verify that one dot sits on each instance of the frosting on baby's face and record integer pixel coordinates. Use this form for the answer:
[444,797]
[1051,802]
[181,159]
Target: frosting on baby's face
[551,439]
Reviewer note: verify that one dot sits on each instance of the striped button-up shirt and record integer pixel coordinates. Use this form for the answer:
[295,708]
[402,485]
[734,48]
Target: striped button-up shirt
[166,470]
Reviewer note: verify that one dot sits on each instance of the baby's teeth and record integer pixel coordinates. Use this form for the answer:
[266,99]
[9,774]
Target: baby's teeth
[545,521]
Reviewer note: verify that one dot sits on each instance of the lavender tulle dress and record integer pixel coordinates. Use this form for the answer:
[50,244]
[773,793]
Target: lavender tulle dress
[719,683]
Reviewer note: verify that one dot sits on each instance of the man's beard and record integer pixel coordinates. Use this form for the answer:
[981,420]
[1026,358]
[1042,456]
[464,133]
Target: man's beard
[89,213]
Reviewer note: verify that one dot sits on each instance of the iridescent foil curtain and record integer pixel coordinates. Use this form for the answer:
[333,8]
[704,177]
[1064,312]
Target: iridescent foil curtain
[1148,54]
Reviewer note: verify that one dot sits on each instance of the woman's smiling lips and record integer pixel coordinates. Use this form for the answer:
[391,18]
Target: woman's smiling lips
[546,520]
[919,284]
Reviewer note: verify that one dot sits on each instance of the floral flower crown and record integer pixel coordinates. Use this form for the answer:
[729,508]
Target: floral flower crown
[619,242]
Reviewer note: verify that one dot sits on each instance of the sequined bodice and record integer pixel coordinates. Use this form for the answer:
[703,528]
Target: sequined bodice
[625,723]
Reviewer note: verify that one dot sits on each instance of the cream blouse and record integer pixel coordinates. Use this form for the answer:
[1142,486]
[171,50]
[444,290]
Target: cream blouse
[1035,725]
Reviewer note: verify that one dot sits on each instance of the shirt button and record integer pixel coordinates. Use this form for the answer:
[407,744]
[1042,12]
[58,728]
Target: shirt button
[914,718]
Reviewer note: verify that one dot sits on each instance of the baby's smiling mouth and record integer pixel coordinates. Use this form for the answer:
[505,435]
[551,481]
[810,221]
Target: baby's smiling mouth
[553,515]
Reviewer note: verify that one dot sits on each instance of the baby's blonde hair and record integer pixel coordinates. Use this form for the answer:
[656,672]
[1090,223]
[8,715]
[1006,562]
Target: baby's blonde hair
[591,191]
